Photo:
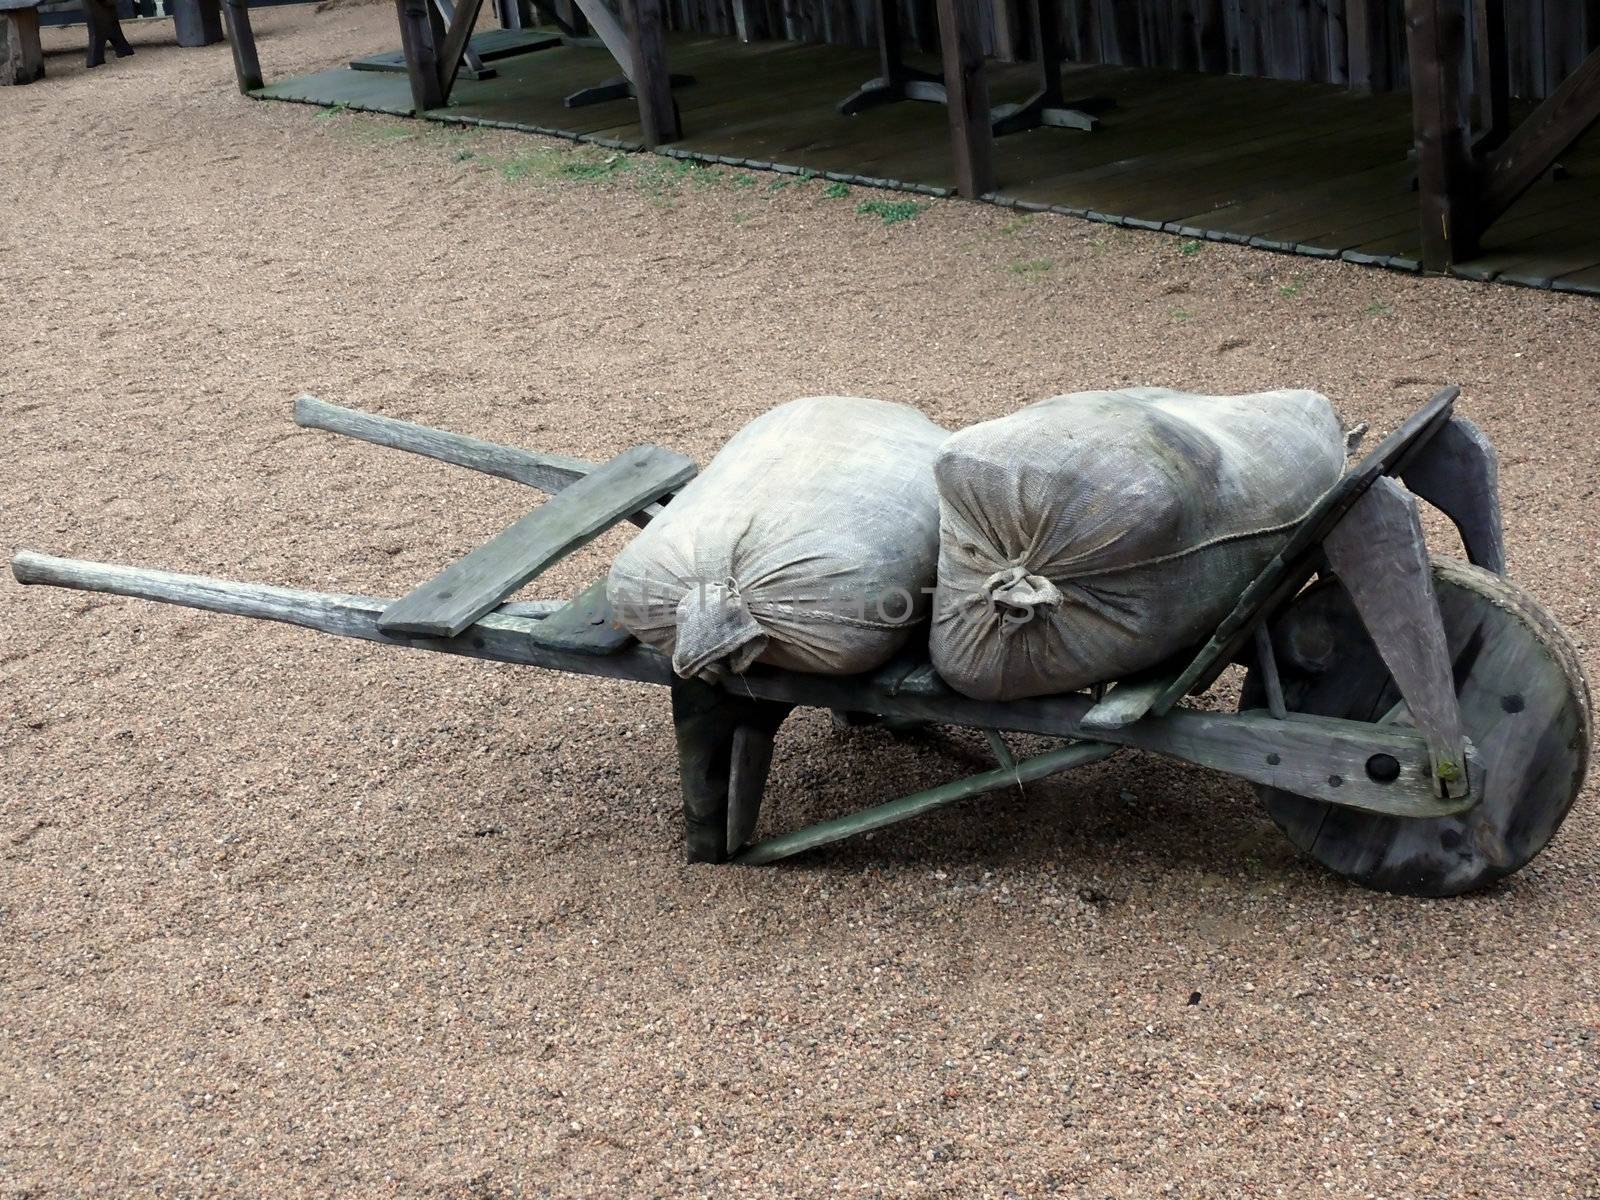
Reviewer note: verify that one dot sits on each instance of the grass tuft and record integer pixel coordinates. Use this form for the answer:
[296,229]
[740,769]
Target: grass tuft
[890,212]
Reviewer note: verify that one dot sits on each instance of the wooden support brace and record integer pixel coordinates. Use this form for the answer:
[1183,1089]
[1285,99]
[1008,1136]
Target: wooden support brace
[1379,554]
[1532,148]
[894,811]
[1458,472]
[242,42]
[971,135]
[455,48]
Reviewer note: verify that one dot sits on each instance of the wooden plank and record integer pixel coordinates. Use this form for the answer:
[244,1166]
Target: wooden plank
[1527,67]
[473,585]
[971,138]
[1127,702]
[1286,39]
[1210,36]
[1364,49]
[652,84]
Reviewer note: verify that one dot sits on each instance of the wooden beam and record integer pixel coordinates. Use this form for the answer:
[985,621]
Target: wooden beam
[1437,43]
[455,45]
[242,41]
[1533,147]
[971,137]
[547,472]
[422,60]
[652,83]
[605,26]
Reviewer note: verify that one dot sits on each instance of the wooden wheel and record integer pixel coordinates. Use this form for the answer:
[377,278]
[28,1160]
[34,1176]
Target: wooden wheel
[1524,703]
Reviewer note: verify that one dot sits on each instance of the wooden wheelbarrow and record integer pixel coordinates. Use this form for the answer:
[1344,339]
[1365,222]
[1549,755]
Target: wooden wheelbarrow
[1416,725]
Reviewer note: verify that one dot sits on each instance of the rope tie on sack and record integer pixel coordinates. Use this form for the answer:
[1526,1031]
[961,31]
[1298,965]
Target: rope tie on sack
[1016,590]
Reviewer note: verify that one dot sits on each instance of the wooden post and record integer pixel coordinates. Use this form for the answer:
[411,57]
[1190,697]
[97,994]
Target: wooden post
[652,84]
[21,54]
[422,60]
[242,40]
[971,137]
[1437,41]
[197,22]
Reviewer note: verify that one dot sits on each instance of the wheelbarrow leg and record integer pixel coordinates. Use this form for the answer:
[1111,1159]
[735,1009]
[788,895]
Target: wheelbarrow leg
[724,752]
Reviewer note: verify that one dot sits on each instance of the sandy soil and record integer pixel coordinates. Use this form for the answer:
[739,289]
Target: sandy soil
[287,916]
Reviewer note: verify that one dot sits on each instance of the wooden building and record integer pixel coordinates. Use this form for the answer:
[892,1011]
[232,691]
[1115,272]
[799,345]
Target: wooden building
[1391,131]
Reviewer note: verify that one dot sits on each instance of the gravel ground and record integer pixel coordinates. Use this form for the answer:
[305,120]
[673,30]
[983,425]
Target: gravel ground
[287,916]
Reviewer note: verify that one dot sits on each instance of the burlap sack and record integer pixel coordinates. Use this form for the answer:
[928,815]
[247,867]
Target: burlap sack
[1088,536]
[809,542]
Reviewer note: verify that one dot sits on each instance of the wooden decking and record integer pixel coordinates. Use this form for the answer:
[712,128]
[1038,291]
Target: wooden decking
[1304,168]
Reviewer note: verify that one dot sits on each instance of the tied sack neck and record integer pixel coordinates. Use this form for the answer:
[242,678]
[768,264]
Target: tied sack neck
[716,633]
[1014,595]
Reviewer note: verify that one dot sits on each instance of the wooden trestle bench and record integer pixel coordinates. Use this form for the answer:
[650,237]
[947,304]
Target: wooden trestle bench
[195,23]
